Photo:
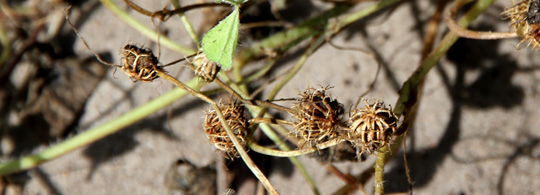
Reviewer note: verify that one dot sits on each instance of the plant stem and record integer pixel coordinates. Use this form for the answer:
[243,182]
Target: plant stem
[97,133]
[187,24]
[281,153]
[270,121]
[265,104]
[471,34]
[267,130]
[252,166]
[379,171]
[409,92]
[164,15]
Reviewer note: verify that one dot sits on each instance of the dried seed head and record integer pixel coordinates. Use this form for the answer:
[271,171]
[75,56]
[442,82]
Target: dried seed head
[204,68]
[234,115]
[525,21]
[372,127]
[318,117]
[139,64]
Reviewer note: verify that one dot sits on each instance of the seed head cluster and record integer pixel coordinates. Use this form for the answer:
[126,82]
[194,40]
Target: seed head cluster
[318,119]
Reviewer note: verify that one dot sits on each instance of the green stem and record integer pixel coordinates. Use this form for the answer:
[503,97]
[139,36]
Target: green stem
[97,133]
[145,30]
[186,23]
[379,171]
[409,92]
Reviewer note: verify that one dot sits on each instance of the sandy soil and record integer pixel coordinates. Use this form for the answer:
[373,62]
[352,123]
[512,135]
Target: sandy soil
[476,130]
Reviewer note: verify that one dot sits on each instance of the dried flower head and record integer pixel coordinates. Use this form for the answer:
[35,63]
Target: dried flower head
[204,68]
[139,64]
[372,127]
[525,21]
[318,117]
[234,115]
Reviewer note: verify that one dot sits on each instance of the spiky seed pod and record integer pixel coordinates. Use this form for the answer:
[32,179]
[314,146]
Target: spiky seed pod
[139,64]
[204,68]
[318,116]
[372,127]
[525,21]
[234,115]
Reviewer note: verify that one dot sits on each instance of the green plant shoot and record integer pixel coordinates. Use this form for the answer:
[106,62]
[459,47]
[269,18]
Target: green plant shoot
[219,43]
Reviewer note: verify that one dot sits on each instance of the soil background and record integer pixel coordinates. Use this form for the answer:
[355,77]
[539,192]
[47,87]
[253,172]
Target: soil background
[476,130]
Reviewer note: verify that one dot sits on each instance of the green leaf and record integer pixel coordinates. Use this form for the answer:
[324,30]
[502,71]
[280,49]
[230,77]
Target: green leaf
[219,43]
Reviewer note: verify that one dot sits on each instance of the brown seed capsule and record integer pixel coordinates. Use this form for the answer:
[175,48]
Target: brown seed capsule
[372,127]
[525,21]
[234,115]
[139,64]
[318,117]
[204,68]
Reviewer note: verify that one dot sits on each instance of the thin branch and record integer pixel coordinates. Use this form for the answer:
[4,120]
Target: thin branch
[471,34]
[281,153]
[164,14]
[270,121]
[252,166]
[67,15]
[187,24]
[265,104]
[407,170]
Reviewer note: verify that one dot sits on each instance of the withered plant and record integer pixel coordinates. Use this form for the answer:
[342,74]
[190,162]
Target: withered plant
[317,119]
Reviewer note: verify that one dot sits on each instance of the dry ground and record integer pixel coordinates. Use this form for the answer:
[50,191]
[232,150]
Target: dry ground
[476,130]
